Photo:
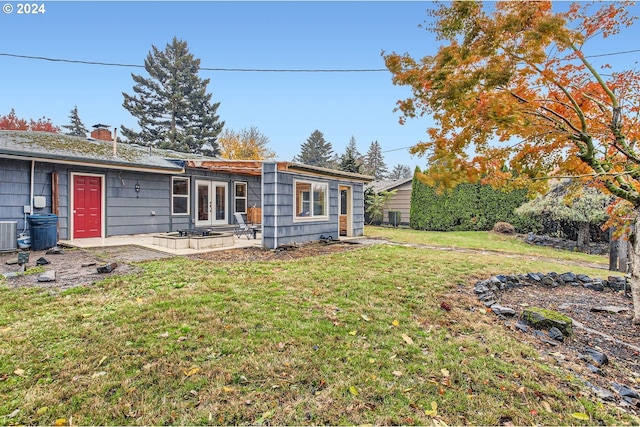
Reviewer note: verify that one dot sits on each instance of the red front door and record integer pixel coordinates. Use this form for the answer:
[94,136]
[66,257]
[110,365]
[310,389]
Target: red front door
[87,206]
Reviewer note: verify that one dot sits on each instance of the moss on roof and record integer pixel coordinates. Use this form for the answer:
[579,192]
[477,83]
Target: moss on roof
[58,146]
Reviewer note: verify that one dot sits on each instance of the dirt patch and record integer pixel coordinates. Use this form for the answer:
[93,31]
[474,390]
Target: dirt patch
[74,266]
[283,254]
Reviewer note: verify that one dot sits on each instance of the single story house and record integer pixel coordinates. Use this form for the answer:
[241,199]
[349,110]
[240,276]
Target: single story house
[99,188]
[400,201]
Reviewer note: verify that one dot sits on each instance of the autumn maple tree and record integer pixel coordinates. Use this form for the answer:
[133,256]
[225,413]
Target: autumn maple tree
[516,100]
[12,122]
[247,144]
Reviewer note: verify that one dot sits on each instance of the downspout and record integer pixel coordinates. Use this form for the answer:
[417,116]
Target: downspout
[31,189]
[275,203]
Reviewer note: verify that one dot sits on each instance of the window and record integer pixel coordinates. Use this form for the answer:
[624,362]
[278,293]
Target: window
[180,196]
[343,201]
[311,200]
[240,195]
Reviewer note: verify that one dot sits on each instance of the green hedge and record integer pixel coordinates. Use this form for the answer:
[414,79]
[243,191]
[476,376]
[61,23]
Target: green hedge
[466,207]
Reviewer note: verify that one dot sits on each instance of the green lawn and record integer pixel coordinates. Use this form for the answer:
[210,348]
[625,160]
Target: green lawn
[479,240]
[351,338]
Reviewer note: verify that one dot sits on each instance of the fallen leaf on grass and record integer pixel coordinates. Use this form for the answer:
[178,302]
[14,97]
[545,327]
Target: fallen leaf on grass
[445,306]
[353,390]
[42,411]
[265,416]
[397,373]
[353,332]
[194,370]
[13,414]
[19,372]
[60,422]
[433,411]
[164,335]
[99,374]
[444,372]
[365,317]
[580,416]
[227,389]
[407,339]
[546,406]
[101,361]
[395,323]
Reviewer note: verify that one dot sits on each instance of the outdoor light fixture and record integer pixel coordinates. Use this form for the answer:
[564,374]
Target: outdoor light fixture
[137,187]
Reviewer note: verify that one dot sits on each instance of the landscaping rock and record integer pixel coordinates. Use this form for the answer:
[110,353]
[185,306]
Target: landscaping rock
[610,309]
[625,391]
[503,311]
[47,276]
[56,250]
[42,261]
[107,268]
[554,333]
[541,318]
[12,261]
[598,357]
[522,326]
[600,392]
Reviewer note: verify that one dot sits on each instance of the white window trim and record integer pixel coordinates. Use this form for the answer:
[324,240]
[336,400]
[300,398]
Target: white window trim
[246,197]
[187,196]
[324,217]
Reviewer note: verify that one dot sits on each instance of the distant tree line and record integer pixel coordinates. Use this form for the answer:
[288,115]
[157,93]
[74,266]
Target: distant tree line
[317,151]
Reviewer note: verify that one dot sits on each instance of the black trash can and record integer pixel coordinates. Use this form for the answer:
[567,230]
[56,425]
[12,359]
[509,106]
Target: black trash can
[44,231]
[394,218]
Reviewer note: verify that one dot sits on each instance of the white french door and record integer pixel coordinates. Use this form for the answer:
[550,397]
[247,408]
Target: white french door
[211,203]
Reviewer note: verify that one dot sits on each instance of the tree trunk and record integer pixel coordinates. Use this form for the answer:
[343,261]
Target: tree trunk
[623,254]
[635,268]
[583,236]
[613,250]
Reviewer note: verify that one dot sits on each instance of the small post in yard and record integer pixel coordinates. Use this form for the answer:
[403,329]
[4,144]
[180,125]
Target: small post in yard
[23,259]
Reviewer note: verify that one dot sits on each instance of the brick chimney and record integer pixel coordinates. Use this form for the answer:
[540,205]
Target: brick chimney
[101,132]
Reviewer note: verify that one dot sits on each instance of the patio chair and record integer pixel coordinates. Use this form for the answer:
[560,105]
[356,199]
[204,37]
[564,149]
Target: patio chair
[242,228]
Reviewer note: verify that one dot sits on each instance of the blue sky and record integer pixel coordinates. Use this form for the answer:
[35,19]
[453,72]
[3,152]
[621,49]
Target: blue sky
[286,107]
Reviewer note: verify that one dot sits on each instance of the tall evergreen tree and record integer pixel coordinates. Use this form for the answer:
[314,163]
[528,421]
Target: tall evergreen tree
[316,151]
[76,127]
[172,105]
[400,172]
[351,160]
[374,164]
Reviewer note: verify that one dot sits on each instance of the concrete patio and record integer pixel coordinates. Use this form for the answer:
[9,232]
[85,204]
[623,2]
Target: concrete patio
[146,241]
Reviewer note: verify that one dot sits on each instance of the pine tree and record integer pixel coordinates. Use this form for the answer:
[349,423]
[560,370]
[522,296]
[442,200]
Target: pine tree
[400,172]
[76,127]
[351,160]
[374,164]
[316,151]
[172,106]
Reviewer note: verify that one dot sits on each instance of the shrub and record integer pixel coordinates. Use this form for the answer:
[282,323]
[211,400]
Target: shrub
[504,228]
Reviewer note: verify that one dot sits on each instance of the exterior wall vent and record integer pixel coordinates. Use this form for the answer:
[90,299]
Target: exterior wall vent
[8,235]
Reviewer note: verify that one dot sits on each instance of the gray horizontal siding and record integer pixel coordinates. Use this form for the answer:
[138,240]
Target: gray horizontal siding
[14,190]
[279,227]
